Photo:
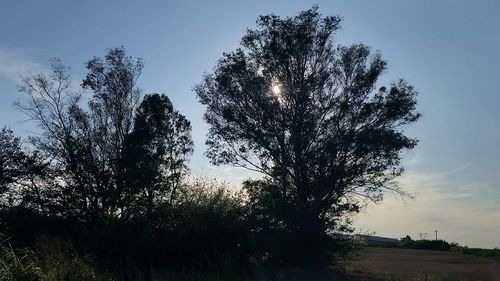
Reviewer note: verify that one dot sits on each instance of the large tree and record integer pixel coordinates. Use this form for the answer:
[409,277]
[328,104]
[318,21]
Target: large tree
[53,104]
[309,116]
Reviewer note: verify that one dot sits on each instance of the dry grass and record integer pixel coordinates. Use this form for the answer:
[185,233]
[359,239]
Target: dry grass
[406,264]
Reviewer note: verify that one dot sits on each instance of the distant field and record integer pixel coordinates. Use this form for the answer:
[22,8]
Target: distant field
[407,264]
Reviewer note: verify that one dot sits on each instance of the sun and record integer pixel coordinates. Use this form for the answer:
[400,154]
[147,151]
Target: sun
[276,89]
[277,92]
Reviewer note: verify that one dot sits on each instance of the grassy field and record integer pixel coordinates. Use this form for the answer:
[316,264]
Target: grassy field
[407,264]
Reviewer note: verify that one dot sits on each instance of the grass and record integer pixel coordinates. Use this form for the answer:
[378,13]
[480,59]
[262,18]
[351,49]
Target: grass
[16,266]
[487,253]
[56,260]
[52,260]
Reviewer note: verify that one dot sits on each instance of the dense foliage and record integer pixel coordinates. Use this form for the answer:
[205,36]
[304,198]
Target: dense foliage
[111,176]
[435,245]
[310,118]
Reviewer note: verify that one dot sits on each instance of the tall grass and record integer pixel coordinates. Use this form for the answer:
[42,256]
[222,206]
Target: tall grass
[51,260]
[16,266]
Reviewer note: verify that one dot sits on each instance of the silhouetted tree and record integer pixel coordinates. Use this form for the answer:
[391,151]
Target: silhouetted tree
[112,80]
[114,164]
[156,151]
[23,175]
[65,140]
[308,116]
[11,158]
[111,154]
[406,240]
[115,97]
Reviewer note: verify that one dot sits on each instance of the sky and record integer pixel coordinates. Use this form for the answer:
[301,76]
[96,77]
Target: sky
[447,49]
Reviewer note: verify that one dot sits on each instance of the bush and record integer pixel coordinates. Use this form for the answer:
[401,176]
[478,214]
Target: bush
[204,226]
[203,229]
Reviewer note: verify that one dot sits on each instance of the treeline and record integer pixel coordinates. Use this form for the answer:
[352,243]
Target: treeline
[434,245]
[104,190]
[109,179]
[487,253]
[442,245]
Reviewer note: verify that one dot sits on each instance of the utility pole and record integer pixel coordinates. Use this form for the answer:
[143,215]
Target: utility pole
[436,234]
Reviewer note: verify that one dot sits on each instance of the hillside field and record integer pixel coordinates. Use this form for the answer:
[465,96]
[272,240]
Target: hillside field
[407,264]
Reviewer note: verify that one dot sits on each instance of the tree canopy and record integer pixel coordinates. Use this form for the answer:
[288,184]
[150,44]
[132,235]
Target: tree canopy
[156,152]
[113,155]
[310,117]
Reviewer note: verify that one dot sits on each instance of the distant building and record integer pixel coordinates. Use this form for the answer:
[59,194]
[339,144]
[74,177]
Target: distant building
[377,241]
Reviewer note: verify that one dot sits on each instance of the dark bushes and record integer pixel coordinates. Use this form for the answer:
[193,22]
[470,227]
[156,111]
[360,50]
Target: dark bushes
[203,230]
[435,245]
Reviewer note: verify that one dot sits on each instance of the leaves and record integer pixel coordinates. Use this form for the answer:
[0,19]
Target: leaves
[112,157]
[327,141]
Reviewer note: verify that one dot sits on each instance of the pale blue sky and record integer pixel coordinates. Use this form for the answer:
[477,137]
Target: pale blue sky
[447,49]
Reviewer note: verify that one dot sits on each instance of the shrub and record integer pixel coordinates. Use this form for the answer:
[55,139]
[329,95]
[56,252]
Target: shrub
[204,228]
[436,245]
[204,225]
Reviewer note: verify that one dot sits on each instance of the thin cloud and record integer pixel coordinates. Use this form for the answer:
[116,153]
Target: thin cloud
[460,207]
[16,63]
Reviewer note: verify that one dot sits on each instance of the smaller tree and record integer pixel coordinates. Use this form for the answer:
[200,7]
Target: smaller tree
[157,150]
[23,175]
[11,159]
[406,240]
[53,105]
